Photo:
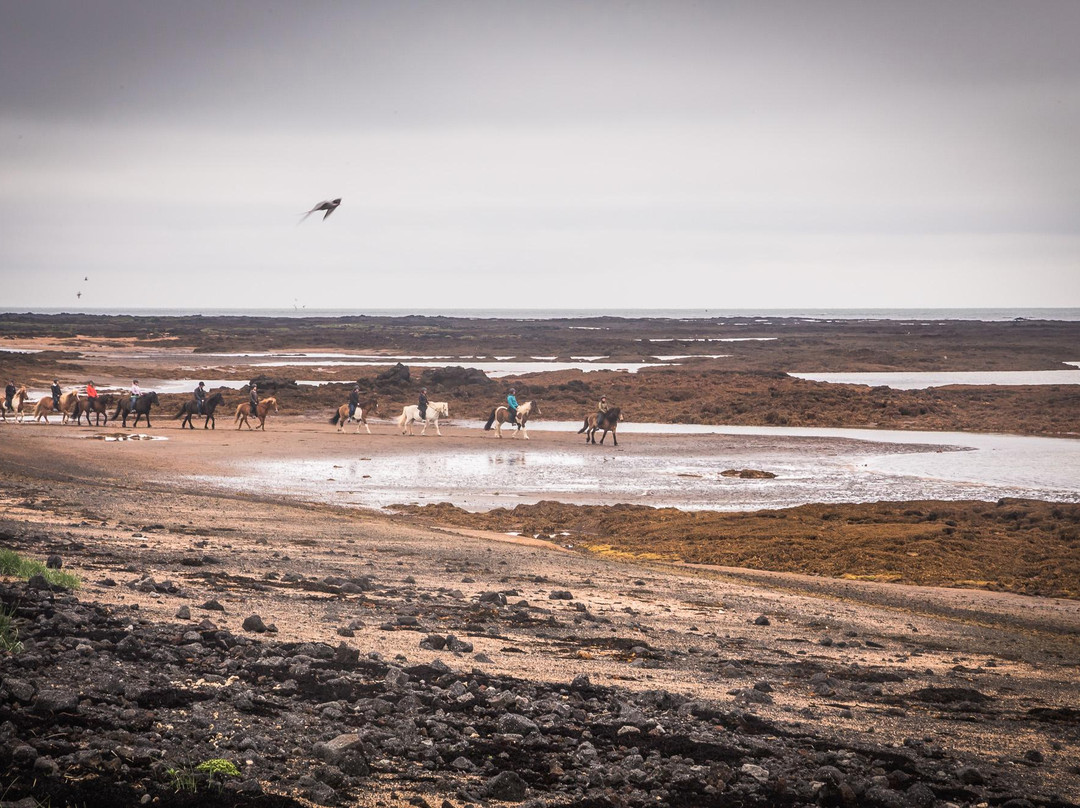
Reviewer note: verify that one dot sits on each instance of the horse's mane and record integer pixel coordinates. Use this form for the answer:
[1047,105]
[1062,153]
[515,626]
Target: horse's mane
[269,400]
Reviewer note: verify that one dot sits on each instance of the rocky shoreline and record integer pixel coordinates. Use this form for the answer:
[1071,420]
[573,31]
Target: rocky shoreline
[104,707]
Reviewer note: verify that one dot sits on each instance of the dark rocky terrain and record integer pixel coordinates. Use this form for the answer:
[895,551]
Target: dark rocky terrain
[104,707]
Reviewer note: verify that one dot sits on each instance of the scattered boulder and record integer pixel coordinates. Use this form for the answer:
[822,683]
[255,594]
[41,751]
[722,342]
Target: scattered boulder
[748,474]
[255,624]
[507,786]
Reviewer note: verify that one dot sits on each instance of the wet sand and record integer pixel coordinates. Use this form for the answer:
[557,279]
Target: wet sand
[117,514]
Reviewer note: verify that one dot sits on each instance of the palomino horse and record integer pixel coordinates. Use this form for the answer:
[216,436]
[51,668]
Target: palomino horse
[190,408]
[363,410]
[501,415]
[18,401]
[243,412]
[141,408]
[609,424]
[45,406]
[411,414]
[99,405]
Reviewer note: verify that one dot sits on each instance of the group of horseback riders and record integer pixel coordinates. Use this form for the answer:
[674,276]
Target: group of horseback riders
[199,394]
[253,398]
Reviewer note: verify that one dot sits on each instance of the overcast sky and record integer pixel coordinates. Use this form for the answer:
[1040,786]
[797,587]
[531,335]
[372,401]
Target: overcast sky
[540,154]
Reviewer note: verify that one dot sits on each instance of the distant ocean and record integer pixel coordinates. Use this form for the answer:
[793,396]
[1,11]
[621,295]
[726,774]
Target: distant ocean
[985,315]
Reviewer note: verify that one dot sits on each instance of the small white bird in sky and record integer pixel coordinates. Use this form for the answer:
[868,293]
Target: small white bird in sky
[329,206]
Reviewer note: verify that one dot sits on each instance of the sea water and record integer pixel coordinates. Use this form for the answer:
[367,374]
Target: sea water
[925,314]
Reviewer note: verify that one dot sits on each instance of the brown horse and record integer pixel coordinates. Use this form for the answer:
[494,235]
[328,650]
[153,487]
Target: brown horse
[45,406]
[363,410]
[17,405]
[609,424]
[99,406]
[243,412]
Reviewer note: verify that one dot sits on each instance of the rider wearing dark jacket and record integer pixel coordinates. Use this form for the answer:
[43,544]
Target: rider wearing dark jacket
[56,394]
[253,399]
[421,405]
[9,394]
[354,401]
[200,397]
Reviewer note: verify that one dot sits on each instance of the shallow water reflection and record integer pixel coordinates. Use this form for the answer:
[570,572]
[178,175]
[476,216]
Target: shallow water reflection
[825,468]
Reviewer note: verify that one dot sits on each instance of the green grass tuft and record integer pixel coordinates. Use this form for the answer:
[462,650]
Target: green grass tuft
[9,634]
[219,766]
[11,563]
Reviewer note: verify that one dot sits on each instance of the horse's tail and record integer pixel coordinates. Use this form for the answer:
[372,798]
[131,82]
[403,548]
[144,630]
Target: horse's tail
[337,416]
[490,420]
[402,420]
[181,412]
[239,411]
[584,427]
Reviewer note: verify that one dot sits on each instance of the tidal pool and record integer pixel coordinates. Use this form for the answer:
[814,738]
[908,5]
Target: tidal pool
[823,465]
[920,380]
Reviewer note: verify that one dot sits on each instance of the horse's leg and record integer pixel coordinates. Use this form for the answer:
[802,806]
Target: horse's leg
[437,430]
[614,440]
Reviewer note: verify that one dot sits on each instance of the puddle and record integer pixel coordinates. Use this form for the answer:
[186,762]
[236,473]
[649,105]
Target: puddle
[493,370]
[920,380]
[123,436]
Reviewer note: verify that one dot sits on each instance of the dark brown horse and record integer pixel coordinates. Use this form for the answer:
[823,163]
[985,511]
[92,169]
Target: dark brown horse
[99,406]
[141,409]
[363,410]
[191,407]
[609,423]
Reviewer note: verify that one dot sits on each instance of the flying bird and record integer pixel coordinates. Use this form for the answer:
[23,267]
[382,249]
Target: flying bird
[329,206]
[78,295]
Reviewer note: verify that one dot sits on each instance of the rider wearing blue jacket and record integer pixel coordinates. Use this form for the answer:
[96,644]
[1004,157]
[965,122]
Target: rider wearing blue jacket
[512,405]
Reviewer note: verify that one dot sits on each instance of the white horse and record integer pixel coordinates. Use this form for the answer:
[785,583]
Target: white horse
[411,414]
[501,415]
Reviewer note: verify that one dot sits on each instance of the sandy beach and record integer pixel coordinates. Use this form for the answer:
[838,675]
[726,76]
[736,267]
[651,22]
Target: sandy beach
[864,667]
[389,620]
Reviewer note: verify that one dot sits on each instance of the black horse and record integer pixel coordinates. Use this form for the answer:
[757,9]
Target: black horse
[609,423]
[190,408]
[142,408]
[99,406]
